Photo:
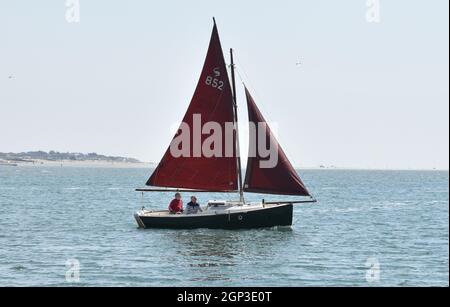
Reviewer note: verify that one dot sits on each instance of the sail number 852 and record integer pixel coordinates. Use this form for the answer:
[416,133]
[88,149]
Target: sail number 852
[214,82]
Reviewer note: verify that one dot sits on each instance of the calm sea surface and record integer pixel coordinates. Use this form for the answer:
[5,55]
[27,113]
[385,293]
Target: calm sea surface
[377,228]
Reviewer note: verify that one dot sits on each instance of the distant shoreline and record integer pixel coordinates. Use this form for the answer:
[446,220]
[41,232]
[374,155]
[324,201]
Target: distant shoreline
[150,165]
[68,159]
[84,163]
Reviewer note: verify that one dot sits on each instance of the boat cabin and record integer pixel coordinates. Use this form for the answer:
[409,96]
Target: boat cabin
[219,205]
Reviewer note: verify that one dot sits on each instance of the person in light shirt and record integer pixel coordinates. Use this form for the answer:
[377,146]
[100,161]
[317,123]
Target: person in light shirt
[193,207]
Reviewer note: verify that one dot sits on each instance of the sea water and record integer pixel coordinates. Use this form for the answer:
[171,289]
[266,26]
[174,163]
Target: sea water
[64,226]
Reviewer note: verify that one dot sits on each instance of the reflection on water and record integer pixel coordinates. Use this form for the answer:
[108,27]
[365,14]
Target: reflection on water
[212,244]
[216,253]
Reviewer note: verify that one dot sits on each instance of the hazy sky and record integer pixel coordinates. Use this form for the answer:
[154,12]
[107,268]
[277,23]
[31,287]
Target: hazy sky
[366,94]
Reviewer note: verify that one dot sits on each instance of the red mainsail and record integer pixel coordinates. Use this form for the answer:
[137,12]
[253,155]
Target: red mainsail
[212,102]
[282,179]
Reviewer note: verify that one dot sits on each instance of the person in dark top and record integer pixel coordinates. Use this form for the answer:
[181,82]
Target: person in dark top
[176,205]
[193,207]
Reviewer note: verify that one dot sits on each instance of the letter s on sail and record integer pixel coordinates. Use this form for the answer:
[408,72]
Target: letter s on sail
[216,72]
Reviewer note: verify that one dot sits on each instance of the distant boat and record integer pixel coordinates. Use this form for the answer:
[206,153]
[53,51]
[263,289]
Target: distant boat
[215,99]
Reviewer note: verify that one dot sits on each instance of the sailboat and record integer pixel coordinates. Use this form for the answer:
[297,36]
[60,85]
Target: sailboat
[214,101]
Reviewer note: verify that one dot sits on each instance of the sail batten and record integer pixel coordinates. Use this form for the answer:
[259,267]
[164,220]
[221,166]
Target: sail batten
[212,102]
[280,179]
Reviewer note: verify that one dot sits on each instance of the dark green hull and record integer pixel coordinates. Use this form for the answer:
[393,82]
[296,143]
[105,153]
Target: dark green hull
[280,215]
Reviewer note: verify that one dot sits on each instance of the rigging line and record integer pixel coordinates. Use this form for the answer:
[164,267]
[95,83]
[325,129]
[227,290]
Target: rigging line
[240,67]
[239,75]
[237,71]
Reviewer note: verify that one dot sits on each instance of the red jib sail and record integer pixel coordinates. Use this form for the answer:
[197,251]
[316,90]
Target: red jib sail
[280,179]
[212,102]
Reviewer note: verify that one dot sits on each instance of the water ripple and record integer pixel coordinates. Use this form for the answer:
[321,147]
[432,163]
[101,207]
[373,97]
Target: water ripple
[50,215]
